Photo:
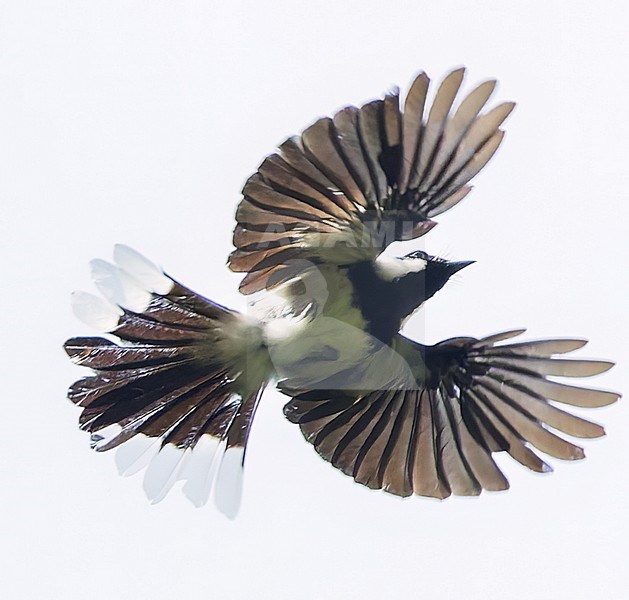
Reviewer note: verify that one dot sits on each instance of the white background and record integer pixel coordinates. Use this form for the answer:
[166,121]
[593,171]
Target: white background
[138,122]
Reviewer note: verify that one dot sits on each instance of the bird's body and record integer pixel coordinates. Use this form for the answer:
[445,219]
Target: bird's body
[338,315]
[178,387]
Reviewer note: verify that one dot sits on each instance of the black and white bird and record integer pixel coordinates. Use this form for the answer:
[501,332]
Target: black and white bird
[178,379]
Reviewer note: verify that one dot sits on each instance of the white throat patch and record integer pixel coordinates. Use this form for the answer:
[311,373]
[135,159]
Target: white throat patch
[390,268]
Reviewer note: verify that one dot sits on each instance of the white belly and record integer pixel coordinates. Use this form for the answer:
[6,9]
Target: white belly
[319,350]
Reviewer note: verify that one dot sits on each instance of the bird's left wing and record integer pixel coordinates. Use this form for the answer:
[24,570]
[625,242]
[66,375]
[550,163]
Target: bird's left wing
[473,398]
[350,185]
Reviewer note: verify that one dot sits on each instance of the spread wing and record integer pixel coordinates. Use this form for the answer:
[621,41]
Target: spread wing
[473,398]
[350,185]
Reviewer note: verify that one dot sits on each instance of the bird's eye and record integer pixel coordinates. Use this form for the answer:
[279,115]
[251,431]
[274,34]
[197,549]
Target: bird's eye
[418,254]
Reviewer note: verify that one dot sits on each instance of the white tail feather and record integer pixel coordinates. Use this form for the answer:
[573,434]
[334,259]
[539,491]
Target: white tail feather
[201,469]
[163,471]
[142,269]
[99,438]
[228,487]
[95,311]
[136,453]
[119,287]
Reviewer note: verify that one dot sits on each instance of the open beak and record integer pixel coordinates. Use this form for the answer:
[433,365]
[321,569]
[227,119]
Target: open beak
[457,266]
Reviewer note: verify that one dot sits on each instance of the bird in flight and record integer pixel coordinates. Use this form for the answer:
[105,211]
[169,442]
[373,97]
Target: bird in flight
[176,383]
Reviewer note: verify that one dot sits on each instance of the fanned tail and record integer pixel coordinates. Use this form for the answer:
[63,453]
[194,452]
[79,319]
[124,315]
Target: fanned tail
[473,398]
[177,388]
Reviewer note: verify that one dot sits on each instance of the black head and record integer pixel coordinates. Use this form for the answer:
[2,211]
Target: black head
[390,289]
[428,274]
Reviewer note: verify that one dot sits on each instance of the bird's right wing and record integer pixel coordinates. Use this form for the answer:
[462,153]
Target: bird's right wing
[473,398]
[350,185]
